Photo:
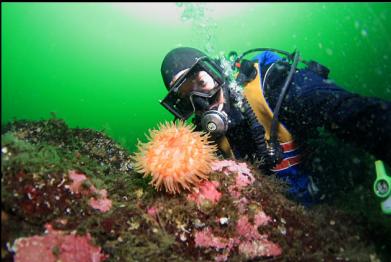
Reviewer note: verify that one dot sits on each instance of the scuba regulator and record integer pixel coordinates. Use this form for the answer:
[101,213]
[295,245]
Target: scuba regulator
[382,187]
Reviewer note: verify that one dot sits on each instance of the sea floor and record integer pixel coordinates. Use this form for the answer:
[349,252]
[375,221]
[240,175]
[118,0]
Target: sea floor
[73,193]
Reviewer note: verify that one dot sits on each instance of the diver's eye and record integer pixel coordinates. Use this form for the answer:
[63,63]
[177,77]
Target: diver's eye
[202,83]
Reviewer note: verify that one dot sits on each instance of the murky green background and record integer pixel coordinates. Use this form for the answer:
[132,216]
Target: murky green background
[97,65]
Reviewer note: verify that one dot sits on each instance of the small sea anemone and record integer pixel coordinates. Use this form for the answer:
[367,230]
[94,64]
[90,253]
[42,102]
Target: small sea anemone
[176,156]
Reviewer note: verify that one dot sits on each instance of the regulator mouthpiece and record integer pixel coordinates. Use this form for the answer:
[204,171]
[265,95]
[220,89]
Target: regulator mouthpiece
[215,122]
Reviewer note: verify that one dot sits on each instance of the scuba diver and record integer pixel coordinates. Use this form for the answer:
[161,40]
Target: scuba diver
[264,109]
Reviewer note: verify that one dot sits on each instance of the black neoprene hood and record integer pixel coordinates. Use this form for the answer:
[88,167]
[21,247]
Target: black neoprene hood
[177,60]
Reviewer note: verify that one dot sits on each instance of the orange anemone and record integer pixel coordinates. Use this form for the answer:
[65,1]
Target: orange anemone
[176,156]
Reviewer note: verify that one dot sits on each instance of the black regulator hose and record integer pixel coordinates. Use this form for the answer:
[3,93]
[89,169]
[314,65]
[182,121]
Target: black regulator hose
[273,129]
[258,135]
[274,150]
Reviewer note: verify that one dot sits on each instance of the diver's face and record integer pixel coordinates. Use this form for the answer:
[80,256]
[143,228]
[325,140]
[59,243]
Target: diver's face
[200,82]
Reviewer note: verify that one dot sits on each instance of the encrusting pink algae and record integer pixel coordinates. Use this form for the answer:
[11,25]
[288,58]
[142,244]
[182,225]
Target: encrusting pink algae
[57,246]
[249,241]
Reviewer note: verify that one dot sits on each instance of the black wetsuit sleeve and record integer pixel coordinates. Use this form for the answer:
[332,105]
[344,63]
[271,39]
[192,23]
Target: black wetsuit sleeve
[313,102]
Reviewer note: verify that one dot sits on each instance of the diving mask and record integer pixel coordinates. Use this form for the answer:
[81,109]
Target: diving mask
[188,95]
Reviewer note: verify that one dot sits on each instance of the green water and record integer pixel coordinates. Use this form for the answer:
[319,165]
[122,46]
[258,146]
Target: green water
[97,65]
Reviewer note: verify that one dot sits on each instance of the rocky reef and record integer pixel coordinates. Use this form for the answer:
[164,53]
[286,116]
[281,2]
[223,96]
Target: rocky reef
[72,194]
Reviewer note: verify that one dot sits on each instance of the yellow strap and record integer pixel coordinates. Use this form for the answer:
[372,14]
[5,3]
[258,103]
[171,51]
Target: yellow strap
[254,94]
[225,147]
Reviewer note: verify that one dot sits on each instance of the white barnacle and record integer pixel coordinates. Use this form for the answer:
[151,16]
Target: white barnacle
[224,220]
[61,183]
[183,237]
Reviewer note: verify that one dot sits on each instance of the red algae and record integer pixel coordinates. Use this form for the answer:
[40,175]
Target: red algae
[99,200]
[246,233]
[77,182]
[57,246]
[206,191]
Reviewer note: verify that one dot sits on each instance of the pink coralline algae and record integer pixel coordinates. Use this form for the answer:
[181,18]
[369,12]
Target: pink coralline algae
[57,246]
[206,191]
[243,178]
[230,166]
[249,241]
[254,244]
[246,238]
[242,204]
[259,248]
[261,219]
[246,230]
[99,199]
[153,212]
[77,181]
[205,238]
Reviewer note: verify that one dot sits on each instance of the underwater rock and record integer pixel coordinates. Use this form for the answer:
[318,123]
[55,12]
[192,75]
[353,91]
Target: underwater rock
[81,141]
[237,214]
[41,197]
